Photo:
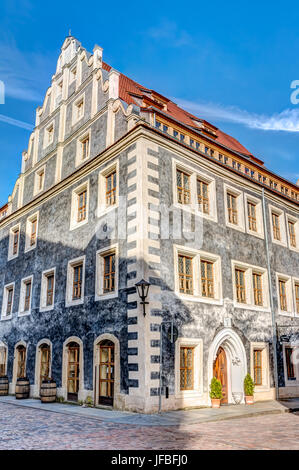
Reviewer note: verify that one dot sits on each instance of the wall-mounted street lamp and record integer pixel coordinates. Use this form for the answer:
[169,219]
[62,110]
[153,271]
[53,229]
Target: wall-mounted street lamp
[142,289]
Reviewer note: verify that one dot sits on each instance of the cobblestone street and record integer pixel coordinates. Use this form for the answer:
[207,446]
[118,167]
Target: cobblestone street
[22,428]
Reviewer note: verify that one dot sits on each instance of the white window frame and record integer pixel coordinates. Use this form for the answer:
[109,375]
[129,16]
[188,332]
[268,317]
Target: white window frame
[82,138]
[264,347]
[197,344]
[4,316]
[99,278]
[290,383]
[75,118]
[282,226]
[195,174]
[295,280]
[249,292]
[293,219]
[290,312]
[41,170]
[240,207]
[69,302]
[21,312]
[10,246]
[103,208]
[28,231]
[43,293]
[73,74]
[75,205]
[47,143]
[259,216]
[197,256]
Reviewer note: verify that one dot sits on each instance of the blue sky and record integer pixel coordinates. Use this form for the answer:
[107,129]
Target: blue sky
[229,65]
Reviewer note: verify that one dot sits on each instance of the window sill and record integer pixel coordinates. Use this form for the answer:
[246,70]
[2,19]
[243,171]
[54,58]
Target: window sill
[235,227]
[288,314]
[189,394]
[12,257]
[194,298]
[6,318]
[255,234]
[277,242]
[106,209]
[30,248]
[252,307]
[24,314]
[73,303]
[107,296]
[293,248]
[46,309]
[75,225]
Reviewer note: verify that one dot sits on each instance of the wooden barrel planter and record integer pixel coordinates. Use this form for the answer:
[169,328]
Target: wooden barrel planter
[22,388]
[48,391]
[3,385]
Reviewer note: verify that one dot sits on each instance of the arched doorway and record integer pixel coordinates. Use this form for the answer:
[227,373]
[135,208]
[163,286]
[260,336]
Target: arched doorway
[45,361]
[73,371]
[21,361]
[3,359]
[106,372]
[220,372]
[227,358]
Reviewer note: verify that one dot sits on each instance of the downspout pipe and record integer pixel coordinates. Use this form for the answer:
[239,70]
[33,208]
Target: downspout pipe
[274,329]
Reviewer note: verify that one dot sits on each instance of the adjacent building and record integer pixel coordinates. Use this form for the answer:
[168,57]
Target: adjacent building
[119,184]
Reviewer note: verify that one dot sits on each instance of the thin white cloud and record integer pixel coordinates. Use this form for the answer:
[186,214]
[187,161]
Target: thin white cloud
[16,122]
[25,74]
[287,120]
[169,32]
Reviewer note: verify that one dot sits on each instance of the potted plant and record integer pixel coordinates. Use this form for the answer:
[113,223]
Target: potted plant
[215,392]
[248,389]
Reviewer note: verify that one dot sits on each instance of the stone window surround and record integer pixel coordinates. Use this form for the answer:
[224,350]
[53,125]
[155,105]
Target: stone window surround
[282,226]
[291,383]
[38,172]
[103,208]
[290,218]
[10,246]
[43,290]
[46,142]
[197,344]
[249,270]
[80,139]
[69,302]
[38,363]
[259,216]
[194,175]
[5,300]
[75,104]
[15,363]
[99,294]
[240,207]
[74,207]
[196,256]
[28,231]
[264,347]
[73,74]
[290,295]
[21,312]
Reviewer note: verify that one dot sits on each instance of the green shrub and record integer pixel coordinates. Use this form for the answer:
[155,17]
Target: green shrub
[248,386]
[89,401]
[216,389]
[60,399]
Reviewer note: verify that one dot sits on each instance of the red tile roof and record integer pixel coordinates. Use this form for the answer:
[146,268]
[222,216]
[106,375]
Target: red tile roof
[127,87]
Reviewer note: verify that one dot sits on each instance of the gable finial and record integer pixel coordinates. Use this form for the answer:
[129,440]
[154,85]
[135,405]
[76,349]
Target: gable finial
[70,32]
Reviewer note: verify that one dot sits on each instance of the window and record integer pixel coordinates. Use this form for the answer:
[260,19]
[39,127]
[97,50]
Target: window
[80,201]
[31,232]
[297,297]
[39,180]
[8,297]
[75,282]
[14,242]
[85,148]
[26,296]
[207,279]
[47,290]
[276,226]
[73,74]
[240,285]
[292,229]
[185,275]
[186,368]
[78,110]
[203,196]
[111,189]
[49,135]
[81,215]
[251,208]
[282,295]
[183,187]
[257,366]
[232,209]
[289,363]
[107,273]
[257,288]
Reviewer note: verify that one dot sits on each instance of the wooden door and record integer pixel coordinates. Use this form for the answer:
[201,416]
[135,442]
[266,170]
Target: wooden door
[220,372]
[21,362]
[106,376]
[73,372]
[44,363]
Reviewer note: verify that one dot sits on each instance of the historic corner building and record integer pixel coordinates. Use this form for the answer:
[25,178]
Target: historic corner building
[107,159]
